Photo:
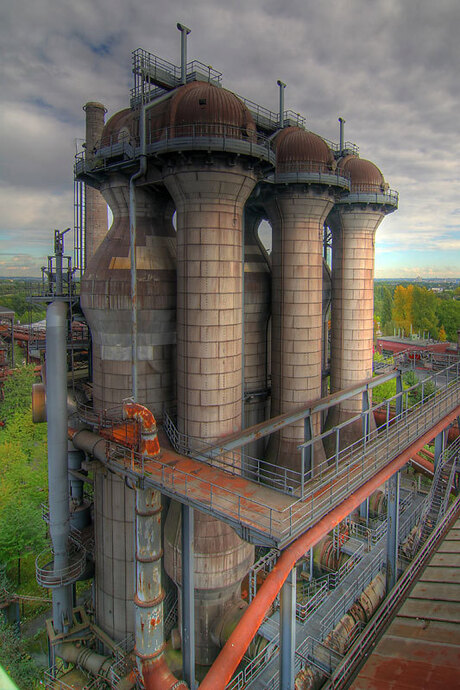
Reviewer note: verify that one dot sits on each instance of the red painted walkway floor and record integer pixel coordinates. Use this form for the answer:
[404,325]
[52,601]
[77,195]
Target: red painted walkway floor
[421,647]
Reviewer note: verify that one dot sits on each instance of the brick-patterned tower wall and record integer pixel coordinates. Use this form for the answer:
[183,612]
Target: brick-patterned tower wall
[257,309]
[106,301]
[209,202]
[352,311]
[209,205]
[297,217]
[95,205]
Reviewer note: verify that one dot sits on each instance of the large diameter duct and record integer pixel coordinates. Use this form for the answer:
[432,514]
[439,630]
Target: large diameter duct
[257,281]
[297,211]
[56,409]
[353,228]
[106,302]
[95,206]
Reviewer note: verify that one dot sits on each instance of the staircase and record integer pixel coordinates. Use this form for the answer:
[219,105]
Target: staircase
[437,499]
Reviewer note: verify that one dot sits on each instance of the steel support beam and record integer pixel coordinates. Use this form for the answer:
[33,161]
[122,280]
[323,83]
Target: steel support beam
[399,393]
[364,510]
[287,631]
[438,447]
[188,603]
[392,530]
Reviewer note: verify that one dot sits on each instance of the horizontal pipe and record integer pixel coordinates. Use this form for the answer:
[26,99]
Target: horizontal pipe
[230,656]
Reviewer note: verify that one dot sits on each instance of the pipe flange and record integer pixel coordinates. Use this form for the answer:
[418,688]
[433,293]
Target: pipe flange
[149,559]
[151,603]
[150,657]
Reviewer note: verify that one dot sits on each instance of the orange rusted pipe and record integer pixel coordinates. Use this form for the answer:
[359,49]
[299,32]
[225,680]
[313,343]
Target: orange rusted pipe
[150,444]
[422,465]
[157,676]
[231,654]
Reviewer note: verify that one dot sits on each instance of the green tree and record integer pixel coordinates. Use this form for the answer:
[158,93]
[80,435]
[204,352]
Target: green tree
[448,313]
[16,661]
[424,303]
[402,307]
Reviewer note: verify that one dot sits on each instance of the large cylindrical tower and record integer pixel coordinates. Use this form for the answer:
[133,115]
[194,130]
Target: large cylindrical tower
[354,222]
[95,205]
[209,189]
[304,192]
[106,302]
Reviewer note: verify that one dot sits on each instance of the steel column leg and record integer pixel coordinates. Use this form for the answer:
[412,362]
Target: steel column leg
[392,530]
[364,510]
[399,393]
[287,631]
[438,447]
[188,602]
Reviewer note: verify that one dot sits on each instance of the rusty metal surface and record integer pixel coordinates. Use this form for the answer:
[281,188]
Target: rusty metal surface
[421,648]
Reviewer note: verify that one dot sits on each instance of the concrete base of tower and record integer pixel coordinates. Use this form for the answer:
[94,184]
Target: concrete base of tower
[285,453]
[349,434]
[221,560]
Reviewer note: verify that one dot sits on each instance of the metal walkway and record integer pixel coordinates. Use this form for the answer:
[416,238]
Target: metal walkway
[263,515]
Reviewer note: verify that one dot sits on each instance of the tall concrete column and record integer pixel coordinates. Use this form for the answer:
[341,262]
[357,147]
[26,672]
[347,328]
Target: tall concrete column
[209,202]
[297,215]
[95,205]
[352,311]
[209,205]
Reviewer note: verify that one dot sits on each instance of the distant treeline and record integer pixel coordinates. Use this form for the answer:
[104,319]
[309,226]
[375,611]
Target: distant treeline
[417,309]
[13,295]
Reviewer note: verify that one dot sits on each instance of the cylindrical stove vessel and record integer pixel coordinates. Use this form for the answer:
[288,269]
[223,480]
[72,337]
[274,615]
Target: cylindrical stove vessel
[209,191]
[95,205]
[354,223]
[297,207]
[106,302]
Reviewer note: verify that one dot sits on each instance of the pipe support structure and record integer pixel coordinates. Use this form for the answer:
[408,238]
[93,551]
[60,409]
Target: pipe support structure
[226,663]
[392,531]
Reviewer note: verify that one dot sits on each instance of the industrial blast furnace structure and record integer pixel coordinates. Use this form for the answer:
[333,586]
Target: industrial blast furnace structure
[199,333]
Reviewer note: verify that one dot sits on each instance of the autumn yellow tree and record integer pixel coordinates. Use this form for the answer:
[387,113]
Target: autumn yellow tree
[442,335]
[402,307]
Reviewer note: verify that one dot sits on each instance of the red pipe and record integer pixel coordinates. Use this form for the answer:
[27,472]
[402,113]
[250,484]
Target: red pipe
[422,465]
[231,654]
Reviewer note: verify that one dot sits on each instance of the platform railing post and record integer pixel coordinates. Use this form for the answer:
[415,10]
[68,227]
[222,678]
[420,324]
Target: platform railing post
[392,531]
[287,631]
[188,605]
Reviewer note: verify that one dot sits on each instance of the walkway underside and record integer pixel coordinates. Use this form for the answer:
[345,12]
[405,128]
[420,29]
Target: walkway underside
[263,515]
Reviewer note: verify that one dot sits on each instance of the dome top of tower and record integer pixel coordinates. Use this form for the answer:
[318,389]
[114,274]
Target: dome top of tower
[118,124]
[365,175]
[296,147]
[203,103]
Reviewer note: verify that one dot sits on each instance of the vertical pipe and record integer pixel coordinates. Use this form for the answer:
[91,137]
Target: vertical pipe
[342,135]
[188,602]
[183,51]
[282,86]
[392,531]
[12,342]
[399,393]
[287,631]
[95,206]
[56,411]
[148,599]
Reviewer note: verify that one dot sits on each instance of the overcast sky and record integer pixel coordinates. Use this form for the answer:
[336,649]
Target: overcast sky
[389,67]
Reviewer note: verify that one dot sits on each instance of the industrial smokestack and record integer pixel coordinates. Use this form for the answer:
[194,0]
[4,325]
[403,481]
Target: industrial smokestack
[342,135]
[183,51]
[282,86]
